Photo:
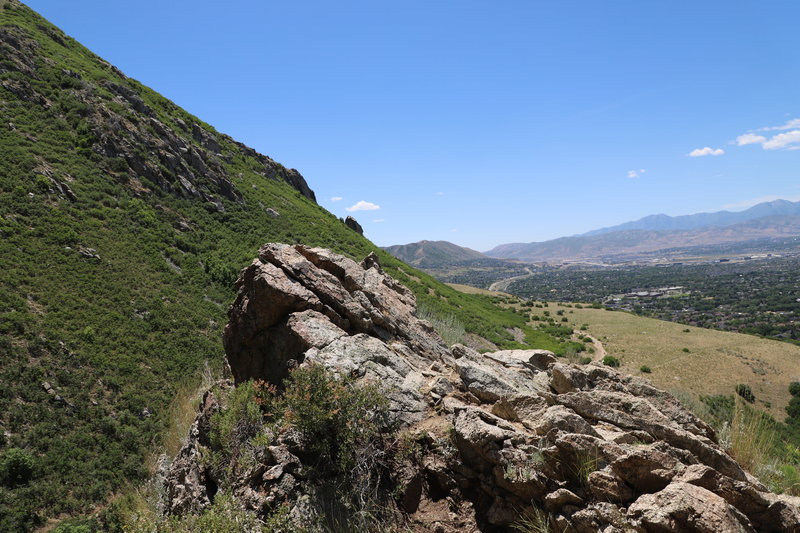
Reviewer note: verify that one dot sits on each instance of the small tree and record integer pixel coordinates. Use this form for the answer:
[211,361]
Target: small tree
[745,392]
[16,467]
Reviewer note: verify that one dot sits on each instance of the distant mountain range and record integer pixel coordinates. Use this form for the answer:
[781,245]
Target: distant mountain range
[434,254]
[750,231]
[663,222]
[648,235]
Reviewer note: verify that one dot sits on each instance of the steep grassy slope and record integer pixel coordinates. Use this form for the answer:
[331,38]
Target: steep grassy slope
[124,221]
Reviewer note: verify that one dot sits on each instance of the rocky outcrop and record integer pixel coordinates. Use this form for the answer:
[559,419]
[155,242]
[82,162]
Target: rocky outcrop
[591,449]
[353,224]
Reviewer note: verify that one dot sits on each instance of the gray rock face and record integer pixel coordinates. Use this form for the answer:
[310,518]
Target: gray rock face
[293,299]
[593,449]
[353,224]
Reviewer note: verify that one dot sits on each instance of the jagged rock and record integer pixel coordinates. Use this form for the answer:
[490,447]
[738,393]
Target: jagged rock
[606,487]
[501,431]
[89,253]
[769,511]
[685,507]
[555,501]
[285,280]
[353,224]
[188,486]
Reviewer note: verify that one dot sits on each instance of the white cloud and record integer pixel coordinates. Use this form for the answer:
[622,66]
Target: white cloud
[363,206]
[700,152]
[337,199]
[789,140]
[744,204]
[440,193]
[749,138]
[378,220]
[794,123]
[636,173]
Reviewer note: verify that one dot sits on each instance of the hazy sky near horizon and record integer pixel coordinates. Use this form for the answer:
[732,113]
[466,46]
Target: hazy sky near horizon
[482,123]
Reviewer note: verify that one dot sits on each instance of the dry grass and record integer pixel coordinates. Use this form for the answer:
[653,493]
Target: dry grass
[716,361]
[754,441]
[751,439]
[182,412]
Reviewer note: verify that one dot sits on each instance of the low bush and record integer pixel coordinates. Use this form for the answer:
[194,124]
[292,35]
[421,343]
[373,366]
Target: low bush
[745,392]
[611,361]
[16,467]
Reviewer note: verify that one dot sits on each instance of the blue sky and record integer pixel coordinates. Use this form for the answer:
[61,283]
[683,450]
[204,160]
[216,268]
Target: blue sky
[482,123]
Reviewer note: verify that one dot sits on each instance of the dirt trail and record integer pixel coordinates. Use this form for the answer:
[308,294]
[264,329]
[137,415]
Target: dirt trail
[599,349]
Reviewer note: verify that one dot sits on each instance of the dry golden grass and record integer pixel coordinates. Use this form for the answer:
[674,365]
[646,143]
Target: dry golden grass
[715,363]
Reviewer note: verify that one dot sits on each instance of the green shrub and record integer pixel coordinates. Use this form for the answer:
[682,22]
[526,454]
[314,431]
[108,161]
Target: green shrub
[338,420]
[240,421]
[16,467]
[794,389]
[718,409]
[611,361]
[645,369]
[223,516]
[745,392]
[793,410]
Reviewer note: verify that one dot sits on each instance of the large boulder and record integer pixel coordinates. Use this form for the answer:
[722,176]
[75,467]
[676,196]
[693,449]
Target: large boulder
[294,298]
[491,435]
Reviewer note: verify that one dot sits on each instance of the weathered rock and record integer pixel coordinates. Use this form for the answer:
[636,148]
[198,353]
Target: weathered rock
[556,500]
[353,224]
[501,431]
[683,507]
[263,334]
[188,486]
[769,512]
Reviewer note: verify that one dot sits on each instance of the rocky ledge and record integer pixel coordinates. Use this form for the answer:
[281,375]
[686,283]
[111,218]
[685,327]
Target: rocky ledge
[502,435]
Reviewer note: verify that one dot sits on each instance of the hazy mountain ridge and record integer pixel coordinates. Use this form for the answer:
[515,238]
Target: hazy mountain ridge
[698,220]
[630,242]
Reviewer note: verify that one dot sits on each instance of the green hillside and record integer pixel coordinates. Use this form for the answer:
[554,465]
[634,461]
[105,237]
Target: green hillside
[124,221]
[432,254]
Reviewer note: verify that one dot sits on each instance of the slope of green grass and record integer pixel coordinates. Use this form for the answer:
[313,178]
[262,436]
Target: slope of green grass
[94,344]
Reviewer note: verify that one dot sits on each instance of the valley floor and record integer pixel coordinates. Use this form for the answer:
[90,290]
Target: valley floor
[684,359]
[694,360]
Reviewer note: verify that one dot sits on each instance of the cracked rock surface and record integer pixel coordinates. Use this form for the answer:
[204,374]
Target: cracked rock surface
[501,432]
